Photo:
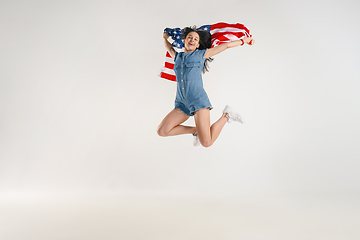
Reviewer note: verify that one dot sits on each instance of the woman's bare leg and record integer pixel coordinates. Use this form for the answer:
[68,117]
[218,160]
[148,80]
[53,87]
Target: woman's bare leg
[170,125]
[208,135]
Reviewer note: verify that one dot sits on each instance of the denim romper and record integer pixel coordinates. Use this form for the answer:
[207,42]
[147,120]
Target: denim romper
[190,93]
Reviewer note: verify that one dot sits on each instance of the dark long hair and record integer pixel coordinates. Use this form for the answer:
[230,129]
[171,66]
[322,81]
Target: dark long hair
[204,42]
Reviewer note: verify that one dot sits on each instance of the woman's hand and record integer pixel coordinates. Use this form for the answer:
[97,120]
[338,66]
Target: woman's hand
[165,36]
[249,40]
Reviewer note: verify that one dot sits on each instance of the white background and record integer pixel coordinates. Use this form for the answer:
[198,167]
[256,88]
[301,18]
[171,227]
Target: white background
[80,100]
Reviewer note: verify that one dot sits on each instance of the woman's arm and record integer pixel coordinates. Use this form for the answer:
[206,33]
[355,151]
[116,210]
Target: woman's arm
[222,47]
[168,46]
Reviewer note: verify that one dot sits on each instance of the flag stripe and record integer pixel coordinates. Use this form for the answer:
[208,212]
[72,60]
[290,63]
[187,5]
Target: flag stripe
[168,70]
[225,25]
[169,65]
[170,77]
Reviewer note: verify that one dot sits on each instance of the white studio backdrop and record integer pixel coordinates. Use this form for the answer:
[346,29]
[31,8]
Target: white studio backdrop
[80,99]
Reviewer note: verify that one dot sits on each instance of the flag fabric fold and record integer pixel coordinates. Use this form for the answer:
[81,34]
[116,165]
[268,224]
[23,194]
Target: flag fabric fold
[220,33]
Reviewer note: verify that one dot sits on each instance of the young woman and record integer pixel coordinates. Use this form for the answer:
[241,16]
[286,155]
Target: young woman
[191,98]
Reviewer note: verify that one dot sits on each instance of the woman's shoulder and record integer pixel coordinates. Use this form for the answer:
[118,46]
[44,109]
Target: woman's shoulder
[198,51]
[177,54]
[201,53]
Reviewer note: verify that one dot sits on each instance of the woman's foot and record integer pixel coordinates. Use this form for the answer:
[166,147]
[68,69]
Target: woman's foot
[232,115]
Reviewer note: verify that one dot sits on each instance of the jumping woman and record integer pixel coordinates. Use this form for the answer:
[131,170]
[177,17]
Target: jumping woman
[191,98]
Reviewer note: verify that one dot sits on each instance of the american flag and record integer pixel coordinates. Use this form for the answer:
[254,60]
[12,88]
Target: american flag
[220,33]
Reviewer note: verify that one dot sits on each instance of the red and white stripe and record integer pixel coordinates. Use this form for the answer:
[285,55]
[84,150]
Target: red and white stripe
[227,32]
[167,71]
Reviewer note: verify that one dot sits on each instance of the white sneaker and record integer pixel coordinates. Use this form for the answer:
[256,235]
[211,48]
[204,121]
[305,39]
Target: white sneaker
[196,140]
[232,115]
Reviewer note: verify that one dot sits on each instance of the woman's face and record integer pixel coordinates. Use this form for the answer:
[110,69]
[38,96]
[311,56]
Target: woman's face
[192,41]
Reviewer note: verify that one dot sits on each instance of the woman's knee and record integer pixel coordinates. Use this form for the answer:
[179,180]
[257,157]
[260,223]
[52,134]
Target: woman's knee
[206,143]
[161,131]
